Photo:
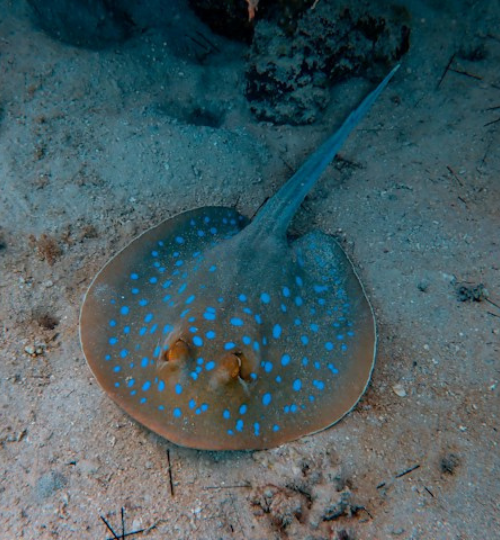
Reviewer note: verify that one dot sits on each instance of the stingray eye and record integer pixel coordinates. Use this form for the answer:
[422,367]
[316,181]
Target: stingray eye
[177,353]
[246,367]
[233,367]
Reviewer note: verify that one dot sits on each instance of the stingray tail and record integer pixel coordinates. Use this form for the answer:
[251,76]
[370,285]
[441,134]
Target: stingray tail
[276,214]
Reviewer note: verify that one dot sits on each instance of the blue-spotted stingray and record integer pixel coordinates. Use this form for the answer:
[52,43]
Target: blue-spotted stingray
[221,333]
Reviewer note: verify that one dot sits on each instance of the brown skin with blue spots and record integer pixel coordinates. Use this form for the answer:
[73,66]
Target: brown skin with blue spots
[220,334]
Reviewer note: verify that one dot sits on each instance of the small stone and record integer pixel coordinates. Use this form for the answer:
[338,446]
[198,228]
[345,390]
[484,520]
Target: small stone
[399,390]
[30,350]
[423,285]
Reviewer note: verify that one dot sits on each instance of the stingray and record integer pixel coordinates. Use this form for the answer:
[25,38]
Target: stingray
[221,333]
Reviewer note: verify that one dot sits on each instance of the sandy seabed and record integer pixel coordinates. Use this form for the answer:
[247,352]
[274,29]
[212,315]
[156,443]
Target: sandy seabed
[97,146]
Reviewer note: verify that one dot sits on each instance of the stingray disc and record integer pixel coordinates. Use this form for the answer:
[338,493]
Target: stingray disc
[215,346]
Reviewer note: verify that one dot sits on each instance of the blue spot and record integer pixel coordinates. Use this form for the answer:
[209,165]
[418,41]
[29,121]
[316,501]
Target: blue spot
[161,386]
[276,331]
[283,308]
[265,298]
[177,412]
[148,318]
[201,233]
[116,369]
[198,341]
[311,398]
[304,339]
[130,382]
[210,334]
[333,369]
[154,253]
[192,403]
[213,268]
[242,298]
[209,316]
[220,300]
[239,425]
[178,389]
[144,362]
[179,240]
[153,280]
[285,360]
[230,432]
[320,288]
[107,357]
[320,385]
[256,345]
[179,263]
[229,346]
[256,428]
[213,230]
[193,375]
[161,407]
[317,365]
[297,322]
[142,400]
[200,361]
[124,353]
[167,284]
[329,346]
[286,408]
[113,341]
[126,329]
[167,328]
[268,367]
[340,337]
[297,385]
[210,365]
[226,414]
[193,329]
[266,399]
[236,321]
[243,409]
[276,427]
[182,288]
[146,386]
[298,301]
[293,407]
[247,310]
[286,292]
[278,379]
[246,340]
[314,327]
[134,276]
[305,361]
[343,347]
[299,281]
[112,323]
[190,299]
[124,310]
[204,407]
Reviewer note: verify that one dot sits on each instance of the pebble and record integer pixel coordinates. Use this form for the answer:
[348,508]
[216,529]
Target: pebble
[399,390]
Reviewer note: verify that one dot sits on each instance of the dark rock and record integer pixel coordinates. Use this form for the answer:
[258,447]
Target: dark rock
[289,74]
